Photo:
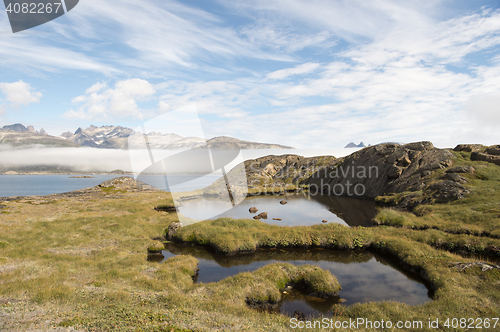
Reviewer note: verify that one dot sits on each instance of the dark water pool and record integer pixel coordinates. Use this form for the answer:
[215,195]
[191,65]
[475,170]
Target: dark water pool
[363,275]
[300,209]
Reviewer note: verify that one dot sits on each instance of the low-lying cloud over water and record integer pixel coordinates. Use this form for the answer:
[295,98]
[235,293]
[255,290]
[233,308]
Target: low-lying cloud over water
[107,160]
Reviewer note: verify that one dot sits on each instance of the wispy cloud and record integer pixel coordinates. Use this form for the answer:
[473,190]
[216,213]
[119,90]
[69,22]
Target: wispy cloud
[305,68]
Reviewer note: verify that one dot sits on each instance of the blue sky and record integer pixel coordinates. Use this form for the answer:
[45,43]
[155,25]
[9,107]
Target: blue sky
[310,74]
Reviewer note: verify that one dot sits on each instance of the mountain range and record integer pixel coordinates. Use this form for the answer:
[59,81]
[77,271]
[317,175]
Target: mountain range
[117,137]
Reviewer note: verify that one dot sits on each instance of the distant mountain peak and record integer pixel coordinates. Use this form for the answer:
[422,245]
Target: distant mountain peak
[353,145]
[16,127]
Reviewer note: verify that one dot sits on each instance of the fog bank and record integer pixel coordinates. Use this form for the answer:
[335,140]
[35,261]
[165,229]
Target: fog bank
[106,160]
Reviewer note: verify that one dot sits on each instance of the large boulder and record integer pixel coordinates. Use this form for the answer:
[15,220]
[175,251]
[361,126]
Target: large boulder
[469,147]
[485,157]
[494,150]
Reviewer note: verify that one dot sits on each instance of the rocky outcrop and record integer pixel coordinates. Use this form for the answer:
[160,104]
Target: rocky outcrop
[402,175]
[282,171]
[493,150]
[125,183]
[469,147]
[488,157]
[382,169]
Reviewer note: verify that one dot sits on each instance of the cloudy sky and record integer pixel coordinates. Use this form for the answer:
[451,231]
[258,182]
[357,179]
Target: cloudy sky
[304,73]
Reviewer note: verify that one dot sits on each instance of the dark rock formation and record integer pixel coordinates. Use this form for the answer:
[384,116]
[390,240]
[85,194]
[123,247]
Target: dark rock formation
[493,150]
[253,209]
[382,169]
[283,202]
[469,147]
[485,157]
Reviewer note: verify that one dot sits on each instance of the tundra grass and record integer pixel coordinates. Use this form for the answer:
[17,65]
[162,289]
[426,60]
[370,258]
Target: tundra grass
[80,262]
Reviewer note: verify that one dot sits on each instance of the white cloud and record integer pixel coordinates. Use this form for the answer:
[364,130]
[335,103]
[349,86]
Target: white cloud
[95,88]
[20,93]
[100,102]
[305,68]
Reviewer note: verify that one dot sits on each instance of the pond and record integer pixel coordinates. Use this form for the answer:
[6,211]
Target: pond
[363,275]
[300,209]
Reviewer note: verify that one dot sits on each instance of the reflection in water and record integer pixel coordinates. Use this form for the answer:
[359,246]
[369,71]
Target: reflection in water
[301,209]
[364,276]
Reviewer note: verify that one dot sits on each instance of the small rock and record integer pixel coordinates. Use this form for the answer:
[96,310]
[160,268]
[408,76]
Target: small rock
[263,215]
[283,202]
[257,217]
[279,219]
[253,209]
[324,221]
[454,177]
[343,300]
[172,229]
